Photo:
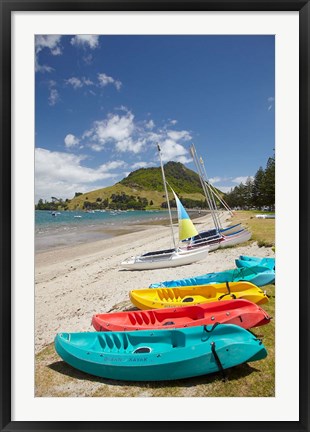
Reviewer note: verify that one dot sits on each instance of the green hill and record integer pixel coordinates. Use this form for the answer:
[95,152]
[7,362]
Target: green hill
[180,178]
[144,187]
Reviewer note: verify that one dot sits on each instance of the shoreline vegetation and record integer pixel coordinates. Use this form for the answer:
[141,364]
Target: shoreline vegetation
[73,283]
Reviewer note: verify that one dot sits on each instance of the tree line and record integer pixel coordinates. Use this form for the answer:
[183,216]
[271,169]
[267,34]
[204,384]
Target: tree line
[257,192]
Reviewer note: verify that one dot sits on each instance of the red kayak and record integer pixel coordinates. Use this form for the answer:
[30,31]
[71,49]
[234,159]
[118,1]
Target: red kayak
[240,312]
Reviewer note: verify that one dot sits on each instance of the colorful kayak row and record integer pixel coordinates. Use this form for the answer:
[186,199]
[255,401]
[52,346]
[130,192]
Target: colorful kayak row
[178,332]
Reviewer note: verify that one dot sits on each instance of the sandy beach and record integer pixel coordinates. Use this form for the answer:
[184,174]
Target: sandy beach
[73,283]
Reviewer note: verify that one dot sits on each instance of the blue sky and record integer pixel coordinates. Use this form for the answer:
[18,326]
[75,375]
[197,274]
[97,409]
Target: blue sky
[102,103]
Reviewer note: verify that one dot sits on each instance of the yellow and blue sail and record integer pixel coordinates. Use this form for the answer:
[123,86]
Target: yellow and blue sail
[186,226]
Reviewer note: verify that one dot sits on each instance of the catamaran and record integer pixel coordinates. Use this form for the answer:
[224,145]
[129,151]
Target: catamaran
[217,237]
[170,257]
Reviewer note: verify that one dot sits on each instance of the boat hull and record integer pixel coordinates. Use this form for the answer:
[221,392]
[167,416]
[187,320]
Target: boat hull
[158,298]
[239,312]
[161,354]
[258,275]
[236,238]
[174,259]
[222,240]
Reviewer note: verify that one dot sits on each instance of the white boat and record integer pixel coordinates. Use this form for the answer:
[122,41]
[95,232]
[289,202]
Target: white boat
[265,216]
[165,258]
[170,257]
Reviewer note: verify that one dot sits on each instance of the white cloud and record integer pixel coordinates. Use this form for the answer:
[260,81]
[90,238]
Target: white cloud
[95,147]
[130,145]
[76,82]
[114,128]
[241,179]
[53,97]
[171,150]
[62,174]
[51,42]
[179,135]
[225,189]
[88,59]
[141,164]
[105,80]
[42,68]
[270,99]
[90,41]
[71,141]
[126,135]
[150,125]
[113,165]
[173,122]
[215,180]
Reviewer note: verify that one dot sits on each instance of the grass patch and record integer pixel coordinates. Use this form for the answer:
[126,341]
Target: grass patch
[263,230]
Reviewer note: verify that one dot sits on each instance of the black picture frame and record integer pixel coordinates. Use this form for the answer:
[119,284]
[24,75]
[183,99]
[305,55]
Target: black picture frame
[7,7]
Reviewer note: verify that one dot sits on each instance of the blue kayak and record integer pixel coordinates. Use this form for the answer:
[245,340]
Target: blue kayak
[257,275]
[158,355]
[250,261]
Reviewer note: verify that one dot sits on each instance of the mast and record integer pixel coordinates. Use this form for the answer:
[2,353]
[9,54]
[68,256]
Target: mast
[212,189]
[167,197]
[205,177]
[205,189]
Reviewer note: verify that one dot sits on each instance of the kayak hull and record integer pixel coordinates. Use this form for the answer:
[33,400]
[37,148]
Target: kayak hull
[258,275]
[239,312]
[250,261]
[159,298]
[159,355]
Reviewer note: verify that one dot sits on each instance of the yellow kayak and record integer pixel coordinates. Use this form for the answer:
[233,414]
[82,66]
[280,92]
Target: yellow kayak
[157,298]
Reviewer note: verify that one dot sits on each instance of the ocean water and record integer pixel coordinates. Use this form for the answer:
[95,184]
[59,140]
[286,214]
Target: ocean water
[74,227]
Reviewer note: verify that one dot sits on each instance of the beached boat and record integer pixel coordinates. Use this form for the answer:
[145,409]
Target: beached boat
[265,216]
[158,298]
[164,258]
[250,261]
[256,274]
[161,354]
[217,237]
[170,257]
[240,312]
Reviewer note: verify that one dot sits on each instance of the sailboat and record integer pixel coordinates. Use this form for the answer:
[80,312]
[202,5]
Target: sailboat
[217,237]
[170,257]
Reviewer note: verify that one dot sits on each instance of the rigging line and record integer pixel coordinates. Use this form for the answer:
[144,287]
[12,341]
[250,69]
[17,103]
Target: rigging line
[206,191]
[213,190]
[213,199]
[167,197]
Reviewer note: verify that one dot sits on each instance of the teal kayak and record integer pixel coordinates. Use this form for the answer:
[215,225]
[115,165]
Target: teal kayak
[257,275]
[158,355]
[250,261]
